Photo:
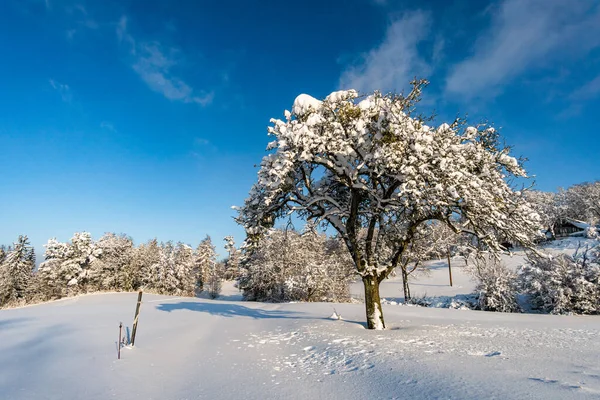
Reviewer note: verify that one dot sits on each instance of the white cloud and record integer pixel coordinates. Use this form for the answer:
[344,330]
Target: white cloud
[525,34]
[154,66]
[108,126]
[63,89]
[394,62]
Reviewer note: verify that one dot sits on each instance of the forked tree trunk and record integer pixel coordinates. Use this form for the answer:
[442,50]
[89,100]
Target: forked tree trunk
[373,303]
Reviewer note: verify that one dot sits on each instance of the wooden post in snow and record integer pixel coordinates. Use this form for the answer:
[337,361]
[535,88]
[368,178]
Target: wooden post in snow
[119,343]
[449,266]
[136,317]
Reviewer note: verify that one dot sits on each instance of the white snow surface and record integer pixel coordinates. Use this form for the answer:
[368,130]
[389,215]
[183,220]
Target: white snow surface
[305,103]
[197,348]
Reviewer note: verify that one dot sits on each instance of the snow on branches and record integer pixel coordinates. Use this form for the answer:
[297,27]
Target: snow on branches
[368,162]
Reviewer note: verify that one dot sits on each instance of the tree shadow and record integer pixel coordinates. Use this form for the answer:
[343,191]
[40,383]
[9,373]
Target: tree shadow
[230,310]
[235,310]
[429,284]
[12,323]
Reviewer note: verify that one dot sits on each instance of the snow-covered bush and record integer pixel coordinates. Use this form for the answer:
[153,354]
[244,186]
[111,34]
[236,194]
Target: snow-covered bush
[289,266]
[562,284]
[497,287]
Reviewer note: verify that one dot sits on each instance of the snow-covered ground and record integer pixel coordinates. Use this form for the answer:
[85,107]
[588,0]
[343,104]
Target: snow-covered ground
[224,349]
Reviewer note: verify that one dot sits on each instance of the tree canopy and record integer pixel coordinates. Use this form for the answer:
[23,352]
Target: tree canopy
[372,169]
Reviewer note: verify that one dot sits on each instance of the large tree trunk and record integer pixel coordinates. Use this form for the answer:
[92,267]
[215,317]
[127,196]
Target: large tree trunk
[373,303]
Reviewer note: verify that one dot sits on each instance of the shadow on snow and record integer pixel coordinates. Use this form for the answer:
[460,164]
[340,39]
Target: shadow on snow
[236,310]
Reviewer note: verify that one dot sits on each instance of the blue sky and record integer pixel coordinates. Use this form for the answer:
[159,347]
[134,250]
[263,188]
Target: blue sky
[147,117]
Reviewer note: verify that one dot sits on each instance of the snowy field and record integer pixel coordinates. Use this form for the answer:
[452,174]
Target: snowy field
[228,349]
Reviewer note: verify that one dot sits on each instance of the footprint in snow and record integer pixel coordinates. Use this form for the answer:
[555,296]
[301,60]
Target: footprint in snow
[493,354]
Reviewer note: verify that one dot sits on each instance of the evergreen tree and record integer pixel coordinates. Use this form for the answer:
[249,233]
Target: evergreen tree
[16,271]
[205,258]
[232,263]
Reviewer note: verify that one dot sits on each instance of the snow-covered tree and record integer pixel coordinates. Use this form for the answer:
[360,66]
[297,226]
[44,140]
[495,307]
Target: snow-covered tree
[232,263]
[185,270]
[371,163]
[16,270]
[547,205]
[289,266]
[3,253]
[113,268]
[206,258]
[213,279]
[582,202]
[164,272]
[145,259]
[67,266]
[561,284]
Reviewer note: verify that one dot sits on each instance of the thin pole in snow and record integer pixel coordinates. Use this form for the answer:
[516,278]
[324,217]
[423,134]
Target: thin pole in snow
[119,344]
[449,266]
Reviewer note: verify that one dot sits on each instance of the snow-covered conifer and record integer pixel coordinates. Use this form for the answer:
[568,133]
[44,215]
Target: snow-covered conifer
[205,259]
[16,271]
[113,267]
[185,271]
[67,266]
[164,272]
[232,263]
[145,259]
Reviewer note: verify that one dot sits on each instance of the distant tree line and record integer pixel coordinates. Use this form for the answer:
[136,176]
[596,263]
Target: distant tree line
[580,202]
[112,263]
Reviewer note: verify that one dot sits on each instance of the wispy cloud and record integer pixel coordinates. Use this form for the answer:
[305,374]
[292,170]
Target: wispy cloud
[525,34]
[108,126]
[587,91]
[63,89]
[154,66]
[394,62]
[577,98]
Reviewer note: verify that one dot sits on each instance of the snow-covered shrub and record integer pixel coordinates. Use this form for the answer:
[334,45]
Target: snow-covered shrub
[562,284]
[289,266]
[496,288]
[591,232]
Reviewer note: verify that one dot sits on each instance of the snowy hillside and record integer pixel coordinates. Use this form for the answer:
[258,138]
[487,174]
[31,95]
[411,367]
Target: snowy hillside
[198,348]
[190,348]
